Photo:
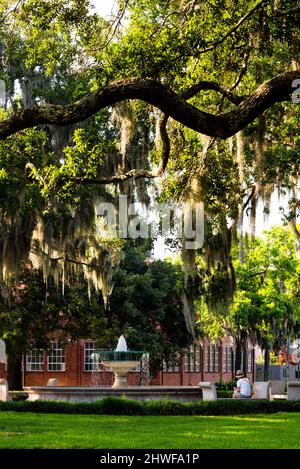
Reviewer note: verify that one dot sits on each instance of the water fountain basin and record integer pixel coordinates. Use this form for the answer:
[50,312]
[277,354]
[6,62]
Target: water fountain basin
[120,362]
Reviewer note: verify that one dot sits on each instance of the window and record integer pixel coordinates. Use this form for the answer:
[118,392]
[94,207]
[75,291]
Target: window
[176,367]
[171,367]
[249,370]
[230,362]
[56,357]
[186,362]
[233,359]
[192,359]
[216,360]
[225,359]
[89,348]
[197,358]
[212,358]
[206,366]
[35,360]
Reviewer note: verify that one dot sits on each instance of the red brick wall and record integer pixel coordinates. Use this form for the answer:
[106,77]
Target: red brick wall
[76,376]
[184,378]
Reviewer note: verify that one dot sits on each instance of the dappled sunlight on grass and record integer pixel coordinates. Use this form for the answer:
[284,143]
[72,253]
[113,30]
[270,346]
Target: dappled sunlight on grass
[212,434]
[274,419]
[29,430]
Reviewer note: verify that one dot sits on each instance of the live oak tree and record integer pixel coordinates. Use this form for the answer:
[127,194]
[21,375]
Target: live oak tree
[196,95]
[145,306]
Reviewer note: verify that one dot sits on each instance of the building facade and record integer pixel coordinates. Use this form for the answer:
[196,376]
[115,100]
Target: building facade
[72,365]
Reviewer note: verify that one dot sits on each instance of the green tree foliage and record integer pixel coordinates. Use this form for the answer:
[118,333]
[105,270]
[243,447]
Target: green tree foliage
[145,306]
[213,54]
[265,306]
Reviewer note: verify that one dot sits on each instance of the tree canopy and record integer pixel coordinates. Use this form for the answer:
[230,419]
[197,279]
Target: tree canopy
[189,100]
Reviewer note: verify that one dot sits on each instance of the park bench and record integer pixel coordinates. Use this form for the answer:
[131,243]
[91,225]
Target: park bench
[53,382]
[293,390]
[4,396]
[277,390]
[261,390]
[209,392]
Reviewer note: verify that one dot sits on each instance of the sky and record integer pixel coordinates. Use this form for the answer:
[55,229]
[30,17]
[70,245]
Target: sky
[103,6]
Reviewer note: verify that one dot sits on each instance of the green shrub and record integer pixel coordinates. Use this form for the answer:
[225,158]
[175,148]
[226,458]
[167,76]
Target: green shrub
[18,396]
[122,406]
[225,385]
[224,394]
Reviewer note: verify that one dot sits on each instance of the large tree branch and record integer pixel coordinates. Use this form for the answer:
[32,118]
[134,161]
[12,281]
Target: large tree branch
[133,174]
[212,86]
[223,125]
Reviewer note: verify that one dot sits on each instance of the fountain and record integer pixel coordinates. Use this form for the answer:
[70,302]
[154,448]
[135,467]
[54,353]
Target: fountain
[120,361]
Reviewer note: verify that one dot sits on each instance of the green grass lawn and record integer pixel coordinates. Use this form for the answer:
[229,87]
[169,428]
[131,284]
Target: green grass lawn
[29,430]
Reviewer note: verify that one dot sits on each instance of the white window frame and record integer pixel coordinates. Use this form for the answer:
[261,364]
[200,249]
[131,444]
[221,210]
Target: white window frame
[225,359]
[211,358]
[216,359]
[207,353]
[56,358]
[167,367]
[192,359]
[230,359]
[233,359]
[35,358]
[249,361]
[197,358]
[88,349]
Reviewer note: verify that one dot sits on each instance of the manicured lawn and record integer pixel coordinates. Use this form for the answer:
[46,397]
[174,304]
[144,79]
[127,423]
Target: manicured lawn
[29,430]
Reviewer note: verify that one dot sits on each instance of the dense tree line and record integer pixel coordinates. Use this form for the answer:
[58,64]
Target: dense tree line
[189,100]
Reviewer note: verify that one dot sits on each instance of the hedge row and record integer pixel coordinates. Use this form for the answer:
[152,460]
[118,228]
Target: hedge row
[122,406]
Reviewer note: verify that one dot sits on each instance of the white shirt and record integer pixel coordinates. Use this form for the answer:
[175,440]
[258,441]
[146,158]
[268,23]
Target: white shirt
[245,387]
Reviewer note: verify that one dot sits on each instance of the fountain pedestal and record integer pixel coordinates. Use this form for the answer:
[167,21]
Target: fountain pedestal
[120,361]
[120,369]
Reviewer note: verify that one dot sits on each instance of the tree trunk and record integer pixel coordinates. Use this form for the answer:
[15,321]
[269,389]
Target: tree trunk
[14,373]
[238,354]
[245,357]
[267,364]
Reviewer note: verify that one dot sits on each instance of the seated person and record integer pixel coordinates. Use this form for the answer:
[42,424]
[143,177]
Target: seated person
[243,387]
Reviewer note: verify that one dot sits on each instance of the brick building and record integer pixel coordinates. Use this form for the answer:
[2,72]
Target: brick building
[72,365]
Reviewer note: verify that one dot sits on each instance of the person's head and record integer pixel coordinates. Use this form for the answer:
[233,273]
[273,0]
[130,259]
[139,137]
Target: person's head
[239,374]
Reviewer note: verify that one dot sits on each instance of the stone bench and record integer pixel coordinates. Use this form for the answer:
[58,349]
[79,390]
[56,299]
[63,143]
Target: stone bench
[209,392]
[293,390]
[277,390]
[261,390]
[277,387]
[53,382]
[4,396]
